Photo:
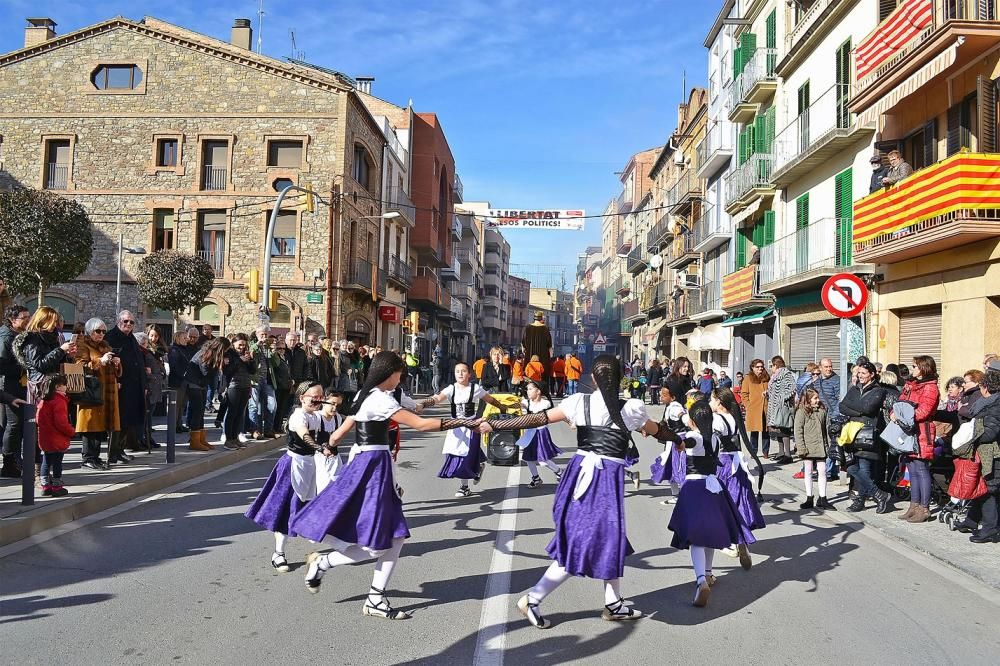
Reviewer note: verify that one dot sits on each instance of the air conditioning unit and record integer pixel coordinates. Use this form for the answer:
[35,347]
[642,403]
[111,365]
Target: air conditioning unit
[690,281]
[679,159]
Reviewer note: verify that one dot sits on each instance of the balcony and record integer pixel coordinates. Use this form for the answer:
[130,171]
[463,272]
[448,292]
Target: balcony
[492,322]
[741,290]
[919,39]
[711,230]
[425,241]
[213,177]
[749,181]
[459,189]
[684,193]
[754,86]
[716,150]
[825,129]
[660,233]
[400,202]
[682,251]
[947,205]
[492,279]
[457,309]
[624,243]
[427,290]
[400,272]
[56,176]
[631,312]
[469,224]
[635,262]
[811,25]
[214,259]
[453,271]
[624,328]
[468,258]
[708,302]
[623,204]
[362,274]
[456,228]
[807,256]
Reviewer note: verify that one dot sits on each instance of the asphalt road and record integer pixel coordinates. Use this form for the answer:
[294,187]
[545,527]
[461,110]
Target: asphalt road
[184,578]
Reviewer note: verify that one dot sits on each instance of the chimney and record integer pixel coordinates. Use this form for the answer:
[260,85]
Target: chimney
[39,30]
[242,35]
[682,112]
[365,84]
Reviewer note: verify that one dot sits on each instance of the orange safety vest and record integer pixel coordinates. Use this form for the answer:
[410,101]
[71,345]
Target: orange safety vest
[574,369]
[559,367]
[535,370]
[478,366]
[517,372]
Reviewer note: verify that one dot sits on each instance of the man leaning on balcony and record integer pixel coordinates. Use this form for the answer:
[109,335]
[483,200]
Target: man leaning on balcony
[898,169]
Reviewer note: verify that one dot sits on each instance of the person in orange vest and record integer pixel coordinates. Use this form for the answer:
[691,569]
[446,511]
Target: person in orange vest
[558,377]
[574,370]
[535,370]
[517,373]
[478,366]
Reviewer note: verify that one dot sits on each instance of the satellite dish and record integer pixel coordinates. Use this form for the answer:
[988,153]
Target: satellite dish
[655,261]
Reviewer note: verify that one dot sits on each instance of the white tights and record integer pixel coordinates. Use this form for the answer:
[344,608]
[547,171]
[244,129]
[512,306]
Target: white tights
[701,560]
[279,542]
[555,576]
[353,554]
[548,464]
[807,476]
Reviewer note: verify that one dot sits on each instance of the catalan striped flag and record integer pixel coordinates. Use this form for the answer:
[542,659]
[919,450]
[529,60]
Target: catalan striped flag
[892,34]
[737,288]
[961,182]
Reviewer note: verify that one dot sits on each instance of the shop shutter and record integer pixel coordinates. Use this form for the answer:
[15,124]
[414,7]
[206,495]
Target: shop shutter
[802,346]
[920,333]
[828,342]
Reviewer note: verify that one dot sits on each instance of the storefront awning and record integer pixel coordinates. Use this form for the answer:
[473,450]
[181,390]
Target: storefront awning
[714,336]
[745,214]
[694,340]
[653,331]
[751,318]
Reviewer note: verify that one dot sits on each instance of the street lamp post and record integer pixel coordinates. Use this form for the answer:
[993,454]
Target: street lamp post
[118,283]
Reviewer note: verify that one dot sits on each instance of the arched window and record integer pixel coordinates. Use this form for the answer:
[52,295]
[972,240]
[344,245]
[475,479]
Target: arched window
[363,167]
[64,307]
[281,316]
[116,77]
[208,313]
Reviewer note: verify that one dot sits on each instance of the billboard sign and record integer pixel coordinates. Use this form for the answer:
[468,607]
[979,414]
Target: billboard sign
[571,220]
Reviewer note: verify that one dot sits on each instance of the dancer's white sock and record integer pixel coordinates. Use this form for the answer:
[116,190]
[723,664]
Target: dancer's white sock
[279,542]
[554,576]
[698,561]
[709,556]
[350,555]
[383,568]
[532,467]
[675,489]
[612,591]
[807,476]
[821,473]
[551,466]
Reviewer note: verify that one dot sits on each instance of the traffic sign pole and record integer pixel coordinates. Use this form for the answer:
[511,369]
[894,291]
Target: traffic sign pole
[845,296]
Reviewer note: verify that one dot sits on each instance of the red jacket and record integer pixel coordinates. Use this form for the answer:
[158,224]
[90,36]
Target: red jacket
[54,428]
[923,393]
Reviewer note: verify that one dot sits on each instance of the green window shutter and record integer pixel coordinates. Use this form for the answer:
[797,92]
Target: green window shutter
[760,134]
[757,235]
[843,210]
[767,231]
[737,61]
[742,148]
[803,98]
[769,129]
[772,30]
[741,249]
[843,92]
[802,211]
[748,44]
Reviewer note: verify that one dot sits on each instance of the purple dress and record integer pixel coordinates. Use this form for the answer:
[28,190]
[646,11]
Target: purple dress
[467,466]
[701,517]
[740,489]
[541,448]
[675,470]
[361,506]
[277,503]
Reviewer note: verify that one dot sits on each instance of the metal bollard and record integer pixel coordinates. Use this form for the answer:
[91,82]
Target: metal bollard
[29,439]
[171,432]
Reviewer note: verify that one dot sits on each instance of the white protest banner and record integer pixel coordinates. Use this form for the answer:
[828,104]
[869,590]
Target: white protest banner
[571,220]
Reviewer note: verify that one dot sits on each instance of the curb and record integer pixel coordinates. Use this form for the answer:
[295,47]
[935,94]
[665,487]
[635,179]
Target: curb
[22,526]
[860,520]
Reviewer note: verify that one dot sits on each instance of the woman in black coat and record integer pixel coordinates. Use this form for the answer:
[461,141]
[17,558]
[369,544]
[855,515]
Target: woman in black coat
[864,403]
[496,374]
[654,379]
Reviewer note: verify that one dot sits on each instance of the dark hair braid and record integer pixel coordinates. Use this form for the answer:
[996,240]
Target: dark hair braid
[728,400]
[701,414]
[608,377]
[383,365]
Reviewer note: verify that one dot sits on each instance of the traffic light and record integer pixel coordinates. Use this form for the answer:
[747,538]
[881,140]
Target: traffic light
[253,285]
[407,330]
[272,299]
[310,200]
[415,322]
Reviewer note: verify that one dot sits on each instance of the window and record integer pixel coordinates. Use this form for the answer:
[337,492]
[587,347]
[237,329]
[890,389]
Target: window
[361,166]
[66,308]
[283,153]
[843,93]
[207,313]
[281,315]
[215,159]
[285,233]
[117,77]
[166,152]
[212,238]
[165,228]
[57,163]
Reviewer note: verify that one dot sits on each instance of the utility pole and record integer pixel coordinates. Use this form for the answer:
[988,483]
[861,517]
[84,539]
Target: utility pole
[265,311]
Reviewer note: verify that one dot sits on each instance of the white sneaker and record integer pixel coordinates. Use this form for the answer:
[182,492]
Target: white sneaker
[463,492]
[729,551]
[670,500]
[243,438]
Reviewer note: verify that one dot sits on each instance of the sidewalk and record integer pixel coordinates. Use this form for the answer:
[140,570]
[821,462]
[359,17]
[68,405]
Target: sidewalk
[934,539]
[92,491]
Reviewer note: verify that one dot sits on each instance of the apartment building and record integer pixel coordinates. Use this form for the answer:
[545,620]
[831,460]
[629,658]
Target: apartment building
[469,288]
[931,91]
[496,268]
[519,313]
[174,139]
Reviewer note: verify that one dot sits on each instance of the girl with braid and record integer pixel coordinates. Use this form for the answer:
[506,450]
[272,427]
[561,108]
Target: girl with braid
[292,482]
[463,452]
[588,509]
[361,512]
[537,447]
[705,517]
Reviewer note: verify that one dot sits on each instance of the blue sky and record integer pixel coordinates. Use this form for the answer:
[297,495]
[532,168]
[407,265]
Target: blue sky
[542,101]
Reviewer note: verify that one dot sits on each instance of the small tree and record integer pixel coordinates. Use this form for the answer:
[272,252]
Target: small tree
[45,239]
[173,280]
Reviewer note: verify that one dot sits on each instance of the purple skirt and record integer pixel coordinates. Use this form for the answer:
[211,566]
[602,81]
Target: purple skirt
[702,518]
[467,466]
[740,488]
[541,448]
[590,537]
[359,507]
[277,503]
[675,472]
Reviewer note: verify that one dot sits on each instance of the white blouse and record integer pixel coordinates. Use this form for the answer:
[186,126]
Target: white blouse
[634,412]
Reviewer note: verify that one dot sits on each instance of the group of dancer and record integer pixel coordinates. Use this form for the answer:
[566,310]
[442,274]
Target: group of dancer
[356,508]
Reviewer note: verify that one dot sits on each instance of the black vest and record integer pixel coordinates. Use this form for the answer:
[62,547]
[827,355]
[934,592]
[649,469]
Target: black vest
[728,442]
[706,464]
[299,447]
[323,436]
[468,409]
[372,433]
[602,440]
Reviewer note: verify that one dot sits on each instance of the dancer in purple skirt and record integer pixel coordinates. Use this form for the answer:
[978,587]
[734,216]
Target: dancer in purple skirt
[361,513]
[537,447]
[463,453]
[292,482]
[588,509]
[727,423]
[671,464]
[705,517]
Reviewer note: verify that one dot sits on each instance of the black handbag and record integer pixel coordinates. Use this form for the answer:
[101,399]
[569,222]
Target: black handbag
[93,392]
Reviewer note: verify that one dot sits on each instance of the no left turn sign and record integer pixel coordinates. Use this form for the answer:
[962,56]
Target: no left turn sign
[845,295]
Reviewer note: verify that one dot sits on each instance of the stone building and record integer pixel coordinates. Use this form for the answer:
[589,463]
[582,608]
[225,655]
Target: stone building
[173,139]
[519,314]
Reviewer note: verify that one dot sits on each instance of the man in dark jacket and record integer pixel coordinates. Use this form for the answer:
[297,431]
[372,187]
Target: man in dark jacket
[15,321]
[878,173]
[828,387]
[988,448]
[295,357]
[131,386]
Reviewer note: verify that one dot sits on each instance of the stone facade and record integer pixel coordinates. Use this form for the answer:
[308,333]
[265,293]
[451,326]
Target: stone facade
[195,90]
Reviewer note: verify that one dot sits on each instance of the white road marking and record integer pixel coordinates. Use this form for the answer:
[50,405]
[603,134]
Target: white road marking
[492,638]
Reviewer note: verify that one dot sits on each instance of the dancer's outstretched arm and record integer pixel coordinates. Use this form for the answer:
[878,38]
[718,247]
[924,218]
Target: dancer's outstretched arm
[411,420]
